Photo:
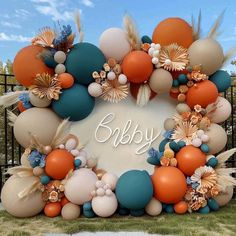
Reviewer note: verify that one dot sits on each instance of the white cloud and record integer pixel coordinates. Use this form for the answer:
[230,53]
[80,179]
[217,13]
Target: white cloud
[14,38]
[22,13]
[10,25]
[87,3]
[54,9]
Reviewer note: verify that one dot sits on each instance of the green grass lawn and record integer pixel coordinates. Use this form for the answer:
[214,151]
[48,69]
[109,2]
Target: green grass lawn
[222,222]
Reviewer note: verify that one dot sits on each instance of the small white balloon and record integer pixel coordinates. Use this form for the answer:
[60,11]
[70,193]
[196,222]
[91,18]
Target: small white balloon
[95,89]
[153,45]
[151,51]
[122,79]
[168,62]
[111,75]
[157,46]
[155,60]
[60,57]
[75,152]
[59,69]
[108,192]
[197,142]
[100,192]
[200,132]
[83,153]
[205,138]
[71,143]
[61,146]
[154,207]
[156,53]
[110,179]
[99,184]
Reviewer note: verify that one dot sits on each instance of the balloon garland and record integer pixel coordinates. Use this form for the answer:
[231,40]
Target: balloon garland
[63,79]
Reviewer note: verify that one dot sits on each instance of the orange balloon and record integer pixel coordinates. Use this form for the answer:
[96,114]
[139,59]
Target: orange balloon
[137,66]
[134,88]
[181,207]
[64,201]
[66,80]
[52,209]
[173,30]
[20,106]
[202,93]
[189,159]
[169,184]
[27,64]
[58,163]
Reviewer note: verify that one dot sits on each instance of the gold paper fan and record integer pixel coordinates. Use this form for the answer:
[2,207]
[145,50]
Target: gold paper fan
[45,37]
[46,86]
[113,91]
[175,55]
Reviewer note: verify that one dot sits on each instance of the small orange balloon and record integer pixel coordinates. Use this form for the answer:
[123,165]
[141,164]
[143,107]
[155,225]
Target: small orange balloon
[20,106]
[27,64]
[66,80]
[173,30]
[137,66]
[181,207]
[52,209]
[169,184]
[134,89]
[58,163]
[189,159]
[202,93]
[64,201]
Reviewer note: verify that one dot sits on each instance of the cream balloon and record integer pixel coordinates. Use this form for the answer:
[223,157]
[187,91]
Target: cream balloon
[169,124]
[182,107]
[154,207]
[225,197]
[222,111]
[160,81]
[21,207]
[114,43]
[208,53]
[42,122]
[79,186]
[105,206]
[217,138]
[60,68]
[110,179]
[38,102]
[70,211]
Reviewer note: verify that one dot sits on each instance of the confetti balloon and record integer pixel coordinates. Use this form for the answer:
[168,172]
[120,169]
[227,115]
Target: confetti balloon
[82,60]
[217,138]
[58,163]
[173,30]
[21,207]
[75,103]
[42,122]
[79,186]
[208,53]
[114,43]
[137,66]
[196,95]
[27,64]
[222,111]
[160,81]
[169,184]
[189,158]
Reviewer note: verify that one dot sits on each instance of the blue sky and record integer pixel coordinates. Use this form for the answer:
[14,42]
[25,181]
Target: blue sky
[21,19]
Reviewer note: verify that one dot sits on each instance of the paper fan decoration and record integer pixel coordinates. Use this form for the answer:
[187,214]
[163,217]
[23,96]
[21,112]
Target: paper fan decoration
[45,37]
[173,57]
[46,85]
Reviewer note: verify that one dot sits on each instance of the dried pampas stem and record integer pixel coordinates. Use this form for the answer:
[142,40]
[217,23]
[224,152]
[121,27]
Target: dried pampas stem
[132,32]
[20,171]
[144,94]
[228,55]
[224,156]
[11,117]
[10,98]
[214,31]
[197,27]
[61,133]
[78,25]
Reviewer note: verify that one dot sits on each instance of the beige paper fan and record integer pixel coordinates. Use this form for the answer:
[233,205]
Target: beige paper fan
[173,57]
[45,37]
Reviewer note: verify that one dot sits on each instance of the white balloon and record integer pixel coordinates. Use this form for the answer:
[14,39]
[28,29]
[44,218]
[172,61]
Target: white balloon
[95,89]
[39,102]
[60,57]
[222,112]
[225,197]
[110,179]
[70,211]
[80,185]
[154,207]
[105,206]
[114,43]
[60,68]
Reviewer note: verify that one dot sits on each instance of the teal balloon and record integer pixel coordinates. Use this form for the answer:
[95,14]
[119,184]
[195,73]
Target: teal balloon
[49,61]
[75,103]
[204,147]
[221,79]
[182,79]
[146,39]
[83,60]
[123,212]
[134,189]
[89,214]
[181,144]
[163,144]
[204,210]
[44,179]
[137,212]
[175,83]
[169,209]
[174,146]
[213,204]
[87,206]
